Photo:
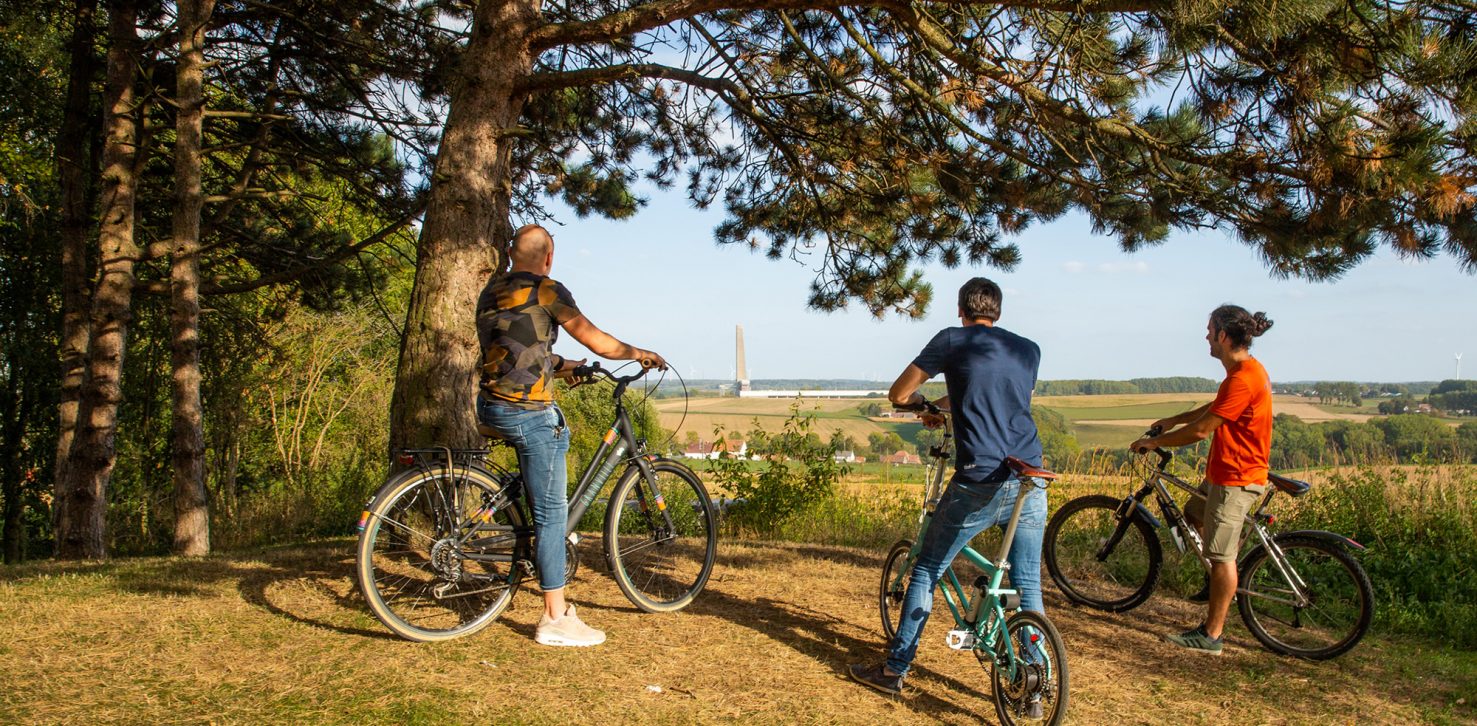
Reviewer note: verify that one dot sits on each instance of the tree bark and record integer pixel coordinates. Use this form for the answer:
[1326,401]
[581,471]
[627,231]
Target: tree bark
[12,417]
[75,165]
[82,524]
[191,504]
[465,229]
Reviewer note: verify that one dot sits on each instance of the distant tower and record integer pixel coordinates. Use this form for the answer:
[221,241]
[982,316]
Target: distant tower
[743,370]
[1458,360]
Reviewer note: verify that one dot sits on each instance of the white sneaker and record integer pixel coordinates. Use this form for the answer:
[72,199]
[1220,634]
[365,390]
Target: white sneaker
[567,630]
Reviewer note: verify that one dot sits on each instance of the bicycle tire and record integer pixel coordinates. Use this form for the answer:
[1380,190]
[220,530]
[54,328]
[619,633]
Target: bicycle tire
[889,598]
[1078,531]
[1051,677]
[661,571]
[1336,583]
[420,584]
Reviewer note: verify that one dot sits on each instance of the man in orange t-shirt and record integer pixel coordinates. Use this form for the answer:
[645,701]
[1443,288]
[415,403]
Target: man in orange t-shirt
[1240,417]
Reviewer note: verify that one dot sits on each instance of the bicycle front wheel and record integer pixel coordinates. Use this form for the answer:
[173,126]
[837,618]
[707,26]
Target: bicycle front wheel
[1100,560]
[1340,599]
[661,540]
[436,559]
[1040,672]
[896,571]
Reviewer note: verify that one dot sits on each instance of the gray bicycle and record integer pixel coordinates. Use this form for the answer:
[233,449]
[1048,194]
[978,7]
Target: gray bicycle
[445,544]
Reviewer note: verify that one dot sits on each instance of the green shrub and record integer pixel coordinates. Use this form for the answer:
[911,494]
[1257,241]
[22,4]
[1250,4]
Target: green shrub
[799,472]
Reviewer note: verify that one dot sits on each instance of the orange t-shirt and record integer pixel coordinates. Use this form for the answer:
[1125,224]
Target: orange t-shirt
[1242,446]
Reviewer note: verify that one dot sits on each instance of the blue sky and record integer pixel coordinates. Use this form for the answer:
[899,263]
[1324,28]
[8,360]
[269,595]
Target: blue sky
[659,281]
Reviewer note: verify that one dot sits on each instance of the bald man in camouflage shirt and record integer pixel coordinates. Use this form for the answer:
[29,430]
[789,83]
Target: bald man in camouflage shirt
[519,315]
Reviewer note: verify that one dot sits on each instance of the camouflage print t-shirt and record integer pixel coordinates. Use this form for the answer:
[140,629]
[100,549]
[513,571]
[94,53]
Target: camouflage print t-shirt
[518,319]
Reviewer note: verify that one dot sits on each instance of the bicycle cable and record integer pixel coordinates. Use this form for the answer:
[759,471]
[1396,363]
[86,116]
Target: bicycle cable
[648,389]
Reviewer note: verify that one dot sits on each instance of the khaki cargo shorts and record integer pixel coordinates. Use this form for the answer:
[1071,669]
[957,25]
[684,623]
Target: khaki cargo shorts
[1227,508]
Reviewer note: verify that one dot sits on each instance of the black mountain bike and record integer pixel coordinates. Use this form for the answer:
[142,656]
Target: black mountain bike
[445,544]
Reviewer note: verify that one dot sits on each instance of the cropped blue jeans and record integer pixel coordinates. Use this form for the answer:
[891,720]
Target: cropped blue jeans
[541,438]
[964,511]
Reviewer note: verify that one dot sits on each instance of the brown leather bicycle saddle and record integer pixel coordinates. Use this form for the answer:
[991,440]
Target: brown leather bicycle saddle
[1293,487]
[489,432]
[1021,468]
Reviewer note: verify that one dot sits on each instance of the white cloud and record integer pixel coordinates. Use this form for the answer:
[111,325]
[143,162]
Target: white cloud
[1112,268]
[1073,266]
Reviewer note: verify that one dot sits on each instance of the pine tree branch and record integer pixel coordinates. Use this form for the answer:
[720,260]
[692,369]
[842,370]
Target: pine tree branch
[663,12]
[554,80]
[220,287]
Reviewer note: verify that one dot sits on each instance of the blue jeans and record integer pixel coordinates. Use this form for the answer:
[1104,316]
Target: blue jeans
[964,511]
[541,439]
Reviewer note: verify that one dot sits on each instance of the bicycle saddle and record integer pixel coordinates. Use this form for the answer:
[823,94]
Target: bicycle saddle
[1293,487]
[1021,468]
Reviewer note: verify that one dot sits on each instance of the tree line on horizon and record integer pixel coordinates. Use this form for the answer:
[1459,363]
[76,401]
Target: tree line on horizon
[201,200]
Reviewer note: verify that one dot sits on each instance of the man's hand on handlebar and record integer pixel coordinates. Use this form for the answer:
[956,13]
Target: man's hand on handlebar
[652,359]
[1149,441]
[931,415]
[570,371]
[932,420]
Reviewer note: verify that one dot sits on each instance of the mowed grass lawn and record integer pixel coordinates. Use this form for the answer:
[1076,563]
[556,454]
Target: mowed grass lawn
[281,637]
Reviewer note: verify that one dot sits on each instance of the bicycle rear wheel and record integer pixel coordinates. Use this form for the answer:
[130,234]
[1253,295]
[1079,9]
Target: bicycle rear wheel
[437,557]
[1098,559]
[661,541]
[1341,599]
[1041,671]
[894,588]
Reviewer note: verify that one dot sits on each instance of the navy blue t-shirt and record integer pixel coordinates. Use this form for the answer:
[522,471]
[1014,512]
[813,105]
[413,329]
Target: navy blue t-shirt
[990,373]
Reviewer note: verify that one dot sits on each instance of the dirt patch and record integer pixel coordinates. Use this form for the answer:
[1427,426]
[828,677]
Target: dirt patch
[282,637]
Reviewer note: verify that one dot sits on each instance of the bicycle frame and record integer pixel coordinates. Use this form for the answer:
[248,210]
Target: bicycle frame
[1158,481]
[987,626]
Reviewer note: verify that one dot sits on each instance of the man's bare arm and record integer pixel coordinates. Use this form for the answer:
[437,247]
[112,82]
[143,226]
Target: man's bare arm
[606,345]
[1193,414]
[1196,430]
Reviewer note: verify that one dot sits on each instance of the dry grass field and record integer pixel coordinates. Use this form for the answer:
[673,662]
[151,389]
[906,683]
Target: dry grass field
[1107,420]
[738,414]
[281,636]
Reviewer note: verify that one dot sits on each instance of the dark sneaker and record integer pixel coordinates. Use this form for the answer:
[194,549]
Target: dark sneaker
[876,677]
[1197,641]
[1203,595]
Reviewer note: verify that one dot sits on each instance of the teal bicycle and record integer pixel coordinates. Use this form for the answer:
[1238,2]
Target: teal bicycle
[1021,649]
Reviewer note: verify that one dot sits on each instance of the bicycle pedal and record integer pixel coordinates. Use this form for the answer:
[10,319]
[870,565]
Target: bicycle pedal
[960,639]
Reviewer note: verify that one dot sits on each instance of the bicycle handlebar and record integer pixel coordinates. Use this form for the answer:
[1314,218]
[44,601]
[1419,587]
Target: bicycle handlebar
[925,406]
[1164,456]
[589,373]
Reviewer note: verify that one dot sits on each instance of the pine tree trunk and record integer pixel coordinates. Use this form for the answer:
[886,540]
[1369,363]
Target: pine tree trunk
[191,505]
[12,531]
[82,522]
[465,229]
[74,168]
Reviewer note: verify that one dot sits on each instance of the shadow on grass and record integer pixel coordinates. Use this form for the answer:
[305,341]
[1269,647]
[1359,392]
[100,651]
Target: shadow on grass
[819,635]
[314,570]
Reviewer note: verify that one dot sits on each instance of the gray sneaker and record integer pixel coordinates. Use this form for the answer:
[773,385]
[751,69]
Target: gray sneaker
[1196,640]
[567,630]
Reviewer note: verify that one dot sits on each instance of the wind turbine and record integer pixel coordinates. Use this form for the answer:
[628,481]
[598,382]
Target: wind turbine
[1459,366]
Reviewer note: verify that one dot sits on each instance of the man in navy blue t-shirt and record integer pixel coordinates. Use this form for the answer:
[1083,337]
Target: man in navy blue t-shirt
[990,373]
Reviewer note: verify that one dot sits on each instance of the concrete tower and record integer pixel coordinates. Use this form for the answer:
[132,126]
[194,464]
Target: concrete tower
[743,370]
